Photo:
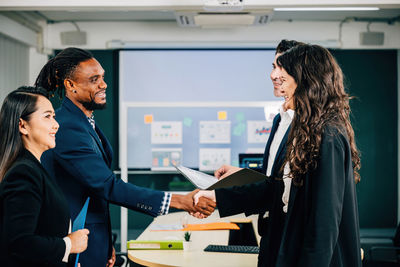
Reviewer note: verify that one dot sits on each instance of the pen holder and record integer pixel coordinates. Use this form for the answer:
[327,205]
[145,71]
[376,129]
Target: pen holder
[245,236]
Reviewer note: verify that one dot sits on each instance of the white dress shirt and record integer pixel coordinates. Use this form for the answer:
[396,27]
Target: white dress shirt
[286,120]
[68,245]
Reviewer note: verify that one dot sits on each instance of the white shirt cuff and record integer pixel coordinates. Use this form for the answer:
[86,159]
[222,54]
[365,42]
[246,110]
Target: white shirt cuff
[67,241]
[165,204]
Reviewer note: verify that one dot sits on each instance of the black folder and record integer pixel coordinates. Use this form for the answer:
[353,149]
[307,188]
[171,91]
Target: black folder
[208,182]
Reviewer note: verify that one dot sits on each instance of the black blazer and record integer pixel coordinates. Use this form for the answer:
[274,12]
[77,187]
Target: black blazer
[321,227]
[34,216]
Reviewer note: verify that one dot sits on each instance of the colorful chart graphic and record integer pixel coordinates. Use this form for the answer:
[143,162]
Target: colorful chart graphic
[166,132]
[258,131]
[166,158]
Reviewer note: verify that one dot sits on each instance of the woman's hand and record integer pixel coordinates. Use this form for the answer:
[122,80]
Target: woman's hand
[225,171]
[79,240]
[199,198]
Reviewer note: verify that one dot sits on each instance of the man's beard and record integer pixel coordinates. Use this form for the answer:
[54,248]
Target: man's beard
[92,105]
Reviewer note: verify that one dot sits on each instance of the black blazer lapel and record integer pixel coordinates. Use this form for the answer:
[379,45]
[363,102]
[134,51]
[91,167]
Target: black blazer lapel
[275,125]
[280,154]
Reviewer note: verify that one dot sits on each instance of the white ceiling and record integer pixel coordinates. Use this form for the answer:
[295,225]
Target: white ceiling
[58,16]
[162,10]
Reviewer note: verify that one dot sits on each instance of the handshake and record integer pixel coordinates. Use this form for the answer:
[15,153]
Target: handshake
[201,203]
[196,203]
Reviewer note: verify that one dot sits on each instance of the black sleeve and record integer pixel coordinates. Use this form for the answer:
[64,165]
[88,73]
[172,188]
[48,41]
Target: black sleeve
[22,204]
[251,198]
[327,193]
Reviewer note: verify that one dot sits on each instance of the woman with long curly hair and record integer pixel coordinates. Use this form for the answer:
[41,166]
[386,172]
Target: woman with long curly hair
[310,195]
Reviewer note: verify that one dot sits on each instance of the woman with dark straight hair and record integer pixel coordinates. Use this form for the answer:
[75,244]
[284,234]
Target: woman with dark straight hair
[312,201]
[34,215]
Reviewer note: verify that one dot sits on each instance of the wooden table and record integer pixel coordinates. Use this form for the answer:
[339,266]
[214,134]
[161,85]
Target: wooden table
[195,256]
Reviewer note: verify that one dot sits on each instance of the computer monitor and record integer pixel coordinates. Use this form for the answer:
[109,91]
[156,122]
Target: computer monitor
[252,161]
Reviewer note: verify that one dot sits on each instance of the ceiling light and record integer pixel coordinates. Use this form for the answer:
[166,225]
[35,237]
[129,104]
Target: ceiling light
[326,8]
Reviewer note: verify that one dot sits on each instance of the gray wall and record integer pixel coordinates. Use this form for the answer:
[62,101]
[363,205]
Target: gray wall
[14,65]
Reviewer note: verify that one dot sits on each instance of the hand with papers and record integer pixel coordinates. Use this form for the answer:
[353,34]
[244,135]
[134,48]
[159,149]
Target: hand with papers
[225,171]
[226,176]
[204,206]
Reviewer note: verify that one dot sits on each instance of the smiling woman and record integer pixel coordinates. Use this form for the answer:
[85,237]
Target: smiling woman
[318,168]
[39,133]
[30,233]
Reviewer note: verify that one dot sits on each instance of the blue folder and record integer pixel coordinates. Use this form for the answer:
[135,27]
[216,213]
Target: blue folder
[79,223]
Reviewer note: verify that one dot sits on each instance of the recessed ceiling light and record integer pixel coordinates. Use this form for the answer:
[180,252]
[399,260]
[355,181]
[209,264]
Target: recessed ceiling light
[326,8]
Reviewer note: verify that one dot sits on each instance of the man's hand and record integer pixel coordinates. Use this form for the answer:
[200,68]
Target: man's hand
[186,202]
[111,261]
[199,198]
[225,171]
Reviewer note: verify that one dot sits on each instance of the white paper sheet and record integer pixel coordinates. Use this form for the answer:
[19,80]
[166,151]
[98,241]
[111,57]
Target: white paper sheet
[215,132]
[166,132]
[199,179]
[210,159]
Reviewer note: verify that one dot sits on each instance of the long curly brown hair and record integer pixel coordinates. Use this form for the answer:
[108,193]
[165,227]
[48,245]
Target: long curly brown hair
[319,99]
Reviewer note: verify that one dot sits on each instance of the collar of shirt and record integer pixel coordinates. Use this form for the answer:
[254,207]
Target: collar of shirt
[286,115]
[91,121]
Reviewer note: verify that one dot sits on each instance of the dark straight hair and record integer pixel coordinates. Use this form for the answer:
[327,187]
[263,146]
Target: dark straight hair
[284,45]
[19,104]
[59,68]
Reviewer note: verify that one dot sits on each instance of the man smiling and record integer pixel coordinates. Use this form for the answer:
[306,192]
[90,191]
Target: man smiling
[81,160]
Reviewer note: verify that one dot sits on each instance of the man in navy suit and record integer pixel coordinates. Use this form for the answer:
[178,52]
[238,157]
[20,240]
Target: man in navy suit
[82,158]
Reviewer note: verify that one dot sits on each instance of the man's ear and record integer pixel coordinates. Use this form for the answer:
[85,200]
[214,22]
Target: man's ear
[22,127]
[69,85]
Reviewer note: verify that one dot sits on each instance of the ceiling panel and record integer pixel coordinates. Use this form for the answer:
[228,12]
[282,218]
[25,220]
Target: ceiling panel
[169,15]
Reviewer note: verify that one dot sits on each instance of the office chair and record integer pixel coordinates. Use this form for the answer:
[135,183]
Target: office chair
[387,255]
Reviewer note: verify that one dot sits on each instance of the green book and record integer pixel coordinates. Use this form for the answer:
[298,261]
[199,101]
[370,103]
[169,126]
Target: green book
[155,244]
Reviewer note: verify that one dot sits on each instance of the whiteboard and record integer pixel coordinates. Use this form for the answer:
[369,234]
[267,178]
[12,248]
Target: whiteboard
[151,78]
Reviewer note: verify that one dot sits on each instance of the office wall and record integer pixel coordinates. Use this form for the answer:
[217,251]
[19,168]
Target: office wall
[14,65]
[36,62]
[150,34]
[153,34]
[398,136]
[371,77]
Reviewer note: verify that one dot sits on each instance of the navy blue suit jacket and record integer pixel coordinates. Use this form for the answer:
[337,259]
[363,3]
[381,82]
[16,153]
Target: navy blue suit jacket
[80,163]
